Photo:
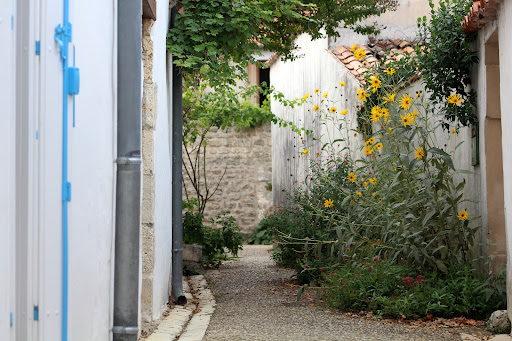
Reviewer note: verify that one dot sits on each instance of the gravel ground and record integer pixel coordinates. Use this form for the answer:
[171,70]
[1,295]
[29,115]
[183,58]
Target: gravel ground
[254,304]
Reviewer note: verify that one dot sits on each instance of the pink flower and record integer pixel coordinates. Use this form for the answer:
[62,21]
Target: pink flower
[420,277]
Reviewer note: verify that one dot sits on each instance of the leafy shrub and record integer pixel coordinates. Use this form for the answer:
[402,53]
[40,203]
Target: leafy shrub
[394,289]
[217,242]
[447,60]
[264,234]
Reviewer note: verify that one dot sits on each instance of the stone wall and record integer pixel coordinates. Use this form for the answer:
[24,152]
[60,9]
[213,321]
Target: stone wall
[246,157]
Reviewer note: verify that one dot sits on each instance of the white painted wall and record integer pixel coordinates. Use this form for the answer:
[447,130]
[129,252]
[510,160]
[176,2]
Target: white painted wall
[7,168]
[162,163]
[397,24]
[91,171]
[317,69]
[505,32]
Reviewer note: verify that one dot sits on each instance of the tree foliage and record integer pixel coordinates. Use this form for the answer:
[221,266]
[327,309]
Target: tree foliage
[447,60]
[219,37]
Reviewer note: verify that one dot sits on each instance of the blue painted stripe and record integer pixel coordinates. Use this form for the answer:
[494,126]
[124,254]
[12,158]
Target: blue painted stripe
[63,36]
[38,47]
[12,22]
[10,319]
[37,134]
[36,313]
[74,53]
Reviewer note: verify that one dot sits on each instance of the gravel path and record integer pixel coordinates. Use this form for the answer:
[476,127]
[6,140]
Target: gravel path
[253,304]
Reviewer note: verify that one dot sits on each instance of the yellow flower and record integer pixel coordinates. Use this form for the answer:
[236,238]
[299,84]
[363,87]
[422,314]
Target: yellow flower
[342,83]
[454,131]
[362,95]
[326,93]
[368,150]
[454,99]
[374,83]
[373,194]
[373,181]
[463,215]
[329,203]
[389,99]
[419,153]
[352,177]
[406,120]
[343,112]
[375,115]
[305,151]
[378,146]
[365,184]
[414,114]
[317,91]
[390,71]
[332,109]
[305,96]
[359,54]
[317,154]
[405,102]
[370,141]
[359,194]
[315,107]
[353,47]
[390,129]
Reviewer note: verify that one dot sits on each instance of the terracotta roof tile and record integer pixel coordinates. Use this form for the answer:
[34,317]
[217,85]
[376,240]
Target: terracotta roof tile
[409,49]
[482,12]
[342,49]
[346,55]
[348,60]
[375,51]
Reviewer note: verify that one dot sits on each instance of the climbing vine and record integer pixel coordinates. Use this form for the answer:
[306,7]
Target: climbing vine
[218,38]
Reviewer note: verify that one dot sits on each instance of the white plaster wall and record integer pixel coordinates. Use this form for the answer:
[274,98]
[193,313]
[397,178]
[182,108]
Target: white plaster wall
[91,172]
[505,32]
[92,151]
[397,24]
[162,164]
[317,69]
[7,169]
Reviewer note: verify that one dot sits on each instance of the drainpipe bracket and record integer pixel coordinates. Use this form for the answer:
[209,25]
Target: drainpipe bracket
[129,160]
[125,330]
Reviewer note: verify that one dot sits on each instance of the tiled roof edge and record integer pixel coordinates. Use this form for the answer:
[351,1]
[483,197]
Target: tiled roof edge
[482,12]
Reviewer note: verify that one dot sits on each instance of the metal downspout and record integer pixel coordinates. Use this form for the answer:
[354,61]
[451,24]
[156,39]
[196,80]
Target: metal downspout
[177,204]
[128,196]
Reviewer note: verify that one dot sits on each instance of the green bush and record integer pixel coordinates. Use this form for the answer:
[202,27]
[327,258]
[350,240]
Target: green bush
[217,242]
[393,289]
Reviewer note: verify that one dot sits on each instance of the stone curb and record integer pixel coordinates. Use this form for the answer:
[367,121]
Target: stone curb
[501,337]
[188,322]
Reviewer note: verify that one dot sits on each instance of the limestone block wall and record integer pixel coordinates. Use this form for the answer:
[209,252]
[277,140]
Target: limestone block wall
[245,190]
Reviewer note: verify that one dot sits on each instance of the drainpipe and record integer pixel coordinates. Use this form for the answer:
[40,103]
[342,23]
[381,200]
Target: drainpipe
[177,204]
[128,201]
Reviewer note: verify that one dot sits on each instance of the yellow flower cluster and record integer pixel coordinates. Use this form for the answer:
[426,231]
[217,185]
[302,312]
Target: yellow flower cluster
[370,146]
[378,112]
